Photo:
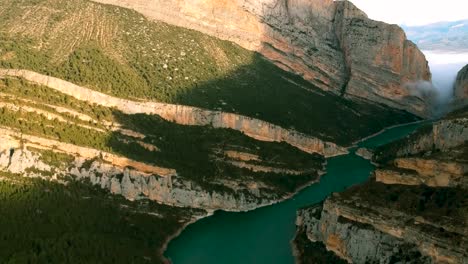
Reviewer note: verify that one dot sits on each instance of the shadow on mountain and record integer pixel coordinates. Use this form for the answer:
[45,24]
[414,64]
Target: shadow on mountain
[264,91]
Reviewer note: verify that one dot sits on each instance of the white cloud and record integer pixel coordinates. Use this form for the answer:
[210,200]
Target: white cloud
[414,12]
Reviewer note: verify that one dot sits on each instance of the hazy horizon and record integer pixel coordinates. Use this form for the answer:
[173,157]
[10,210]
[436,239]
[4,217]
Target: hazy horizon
[414,12]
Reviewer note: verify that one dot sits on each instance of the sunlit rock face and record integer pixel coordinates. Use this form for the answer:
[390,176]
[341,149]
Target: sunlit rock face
[381,61]
[332,44]
[461,87]
[414,208]
[121,176]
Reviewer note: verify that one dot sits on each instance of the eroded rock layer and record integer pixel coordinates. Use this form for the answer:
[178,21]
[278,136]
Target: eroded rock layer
[415,208]
[24,154]
[187,115]
[333,44]
[435,156]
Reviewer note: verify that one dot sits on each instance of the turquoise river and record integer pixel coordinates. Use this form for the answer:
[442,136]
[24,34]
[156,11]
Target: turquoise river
[264,235]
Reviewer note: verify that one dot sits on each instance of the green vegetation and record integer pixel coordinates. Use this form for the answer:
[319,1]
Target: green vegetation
[196,152]
[459,113]
[45,222]
[54,159]
[40,95]
[388,152]
[437,204]
[127,56]
[198,157]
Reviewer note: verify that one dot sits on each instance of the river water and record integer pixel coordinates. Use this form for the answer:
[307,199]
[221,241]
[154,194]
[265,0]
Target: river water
[264,235]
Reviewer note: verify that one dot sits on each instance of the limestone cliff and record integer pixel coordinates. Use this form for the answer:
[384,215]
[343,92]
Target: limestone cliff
[131,179]
[360,230]
[434,156]
[461,87]
[330,43]
[413,211]
[186,115]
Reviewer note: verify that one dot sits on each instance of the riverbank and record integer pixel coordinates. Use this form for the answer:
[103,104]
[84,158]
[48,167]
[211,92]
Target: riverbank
[176,234]
[357,142]
[301,188]
[211,213]
[249,237]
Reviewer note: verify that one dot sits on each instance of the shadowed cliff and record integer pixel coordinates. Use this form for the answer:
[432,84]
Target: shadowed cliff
[288,100]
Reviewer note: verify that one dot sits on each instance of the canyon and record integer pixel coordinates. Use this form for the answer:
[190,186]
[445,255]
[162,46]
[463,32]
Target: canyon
[461,87]
[412,208]
[196,107]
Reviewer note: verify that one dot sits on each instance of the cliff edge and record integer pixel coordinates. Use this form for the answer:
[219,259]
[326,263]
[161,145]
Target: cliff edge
[461,87]
[414,209]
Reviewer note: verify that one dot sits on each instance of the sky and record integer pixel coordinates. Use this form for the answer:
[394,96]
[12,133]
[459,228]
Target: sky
[414,12]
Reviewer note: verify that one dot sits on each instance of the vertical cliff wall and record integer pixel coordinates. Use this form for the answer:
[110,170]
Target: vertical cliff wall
[413,211]
[330,43]
[461,87]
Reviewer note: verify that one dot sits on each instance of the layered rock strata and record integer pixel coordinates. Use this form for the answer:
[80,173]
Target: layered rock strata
[361,232]
[187,115]
[413,211]
[435,156]
[332,44]
[20,153]
[461,87]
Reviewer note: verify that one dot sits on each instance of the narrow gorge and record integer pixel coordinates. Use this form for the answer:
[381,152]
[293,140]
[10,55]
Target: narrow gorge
[156,131]
[412,209]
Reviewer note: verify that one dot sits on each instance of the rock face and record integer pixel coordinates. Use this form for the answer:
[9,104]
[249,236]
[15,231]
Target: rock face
[461,87]
[414,210]
[330,43]
[121,176]
[187,115]
[365,233]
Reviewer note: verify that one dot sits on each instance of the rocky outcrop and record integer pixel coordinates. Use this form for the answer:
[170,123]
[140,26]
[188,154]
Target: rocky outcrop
[461,87]
[442,136]
[11,139]
[173,191]
[332,44]
[381,61]
[362,232]
[122,176]
[364,153]
[414,210]
[187,115]
[431,172]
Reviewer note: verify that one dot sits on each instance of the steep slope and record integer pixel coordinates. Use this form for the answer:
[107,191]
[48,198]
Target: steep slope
[461,87]
[94,96]
[119,52]
[414,210]
[330,43]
